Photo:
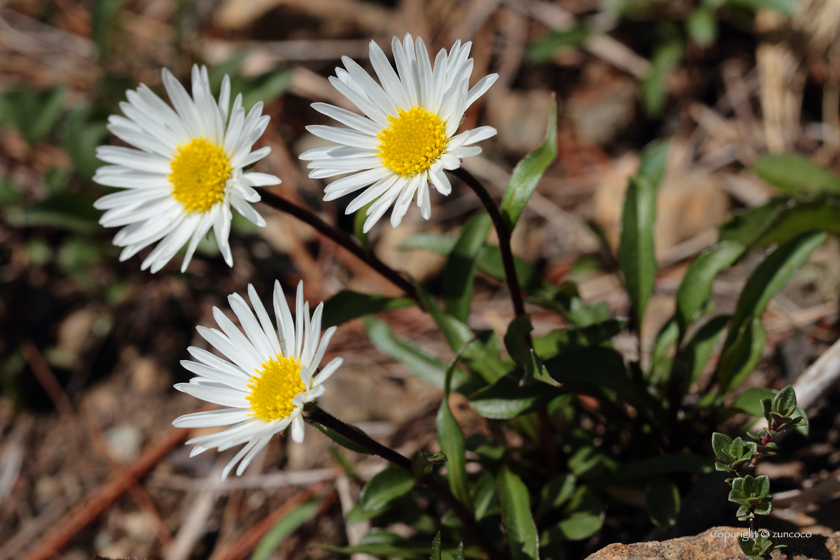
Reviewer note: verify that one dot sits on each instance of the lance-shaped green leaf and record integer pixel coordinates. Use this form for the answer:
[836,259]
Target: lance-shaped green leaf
[451,440]
[636,255]
[33,113]
[801,216]
[599,366]
[281,530]
[516,516]
[554,342]
[796,174]
[696,285]
[480,357]
[745,339]
[347,305]
[462,264]
[662,498]
[565,301]
[427,368]
[694,356]
[385,486]
[741,355]
[529,171]
[506,398]
[387,545]
[746,227]
[517,342]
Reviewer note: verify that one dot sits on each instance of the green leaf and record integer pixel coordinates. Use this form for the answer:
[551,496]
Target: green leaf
[552,343]
[385,544]
[517,343]
[795,174]
[556,492]
[347,305]
[31,112]
[784,402]
[721,444]
[745,339]
[451,440]
[80,137]
[581,525]
[529,171]
[284,527]
[105,13]
[636,255]
[341,440]
[484,496]
[427,368]
[600,366]
[702,26]
[662,498]
[546,47]
[741,355]
[796,217]
[436,547]
[746,227]
[661,355]
[566,302]
[265,87]
[72,211]
[588,463]
[696,353]
[696,285]
[462,264]
[666,56]
[506,399]
[516,516]
[385,486]
[478,356]
[750,400]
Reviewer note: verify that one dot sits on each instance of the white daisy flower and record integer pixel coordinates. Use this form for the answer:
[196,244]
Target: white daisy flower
[407,137]
[186,172]
[267,380]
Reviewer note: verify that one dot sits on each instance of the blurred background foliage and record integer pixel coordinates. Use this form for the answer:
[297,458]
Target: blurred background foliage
[747,89]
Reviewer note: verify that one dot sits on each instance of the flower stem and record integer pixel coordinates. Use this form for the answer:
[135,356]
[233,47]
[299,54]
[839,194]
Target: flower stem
[317,415]
[340,237]
[503,233]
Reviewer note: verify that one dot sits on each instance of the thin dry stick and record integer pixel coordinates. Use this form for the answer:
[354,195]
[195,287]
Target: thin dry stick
[95,503]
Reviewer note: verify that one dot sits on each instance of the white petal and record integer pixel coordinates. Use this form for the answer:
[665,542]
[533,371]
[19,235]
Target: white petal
[222,417]
[265,321]
[354,121]
[297,429]
[224,397]
[328,370]
[481,87]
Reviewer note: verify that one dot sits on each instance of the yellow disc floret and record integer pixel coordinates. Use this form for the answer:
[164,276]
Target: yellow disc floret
[200,171]
[413,142]
[273,388]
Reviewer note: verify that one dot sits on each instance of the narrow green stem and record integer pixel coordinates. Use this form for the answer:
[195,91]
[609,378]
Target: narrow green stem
[317,415]
[340,237]
[503,233]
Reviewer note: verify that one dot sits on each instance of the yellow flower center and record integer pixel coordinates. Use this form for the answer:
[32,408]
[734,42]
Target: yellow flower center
[413,142]
[200,171]
[273,388]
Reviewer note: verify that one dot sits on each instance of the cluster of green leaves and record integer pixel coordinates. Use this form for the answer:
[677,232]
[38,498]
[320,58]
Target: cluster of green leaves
[529,384]
[739,458]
